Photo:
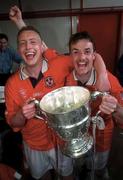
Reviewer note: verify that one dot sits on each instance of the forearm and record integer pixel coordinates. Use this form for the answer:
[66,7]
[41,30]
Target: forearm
[102,83]
[99,65]
[19,24]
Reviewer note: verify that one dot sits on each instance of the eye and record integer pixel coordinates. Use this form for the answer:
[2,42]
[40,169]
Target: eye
[75,52]
[22,43]
[33,42]
[88,52]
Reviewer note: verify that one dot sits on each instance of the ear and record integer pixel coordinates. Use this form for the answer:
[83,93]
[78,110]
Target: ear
[94,56]
[44,47]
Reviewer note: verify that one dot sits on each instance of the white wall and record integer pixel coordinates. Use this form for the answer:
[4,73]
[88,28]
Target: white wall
[102,3]
[54,31]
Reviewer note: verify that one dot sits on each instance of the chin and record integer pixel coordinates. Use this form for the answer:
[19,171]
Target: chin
[82,72]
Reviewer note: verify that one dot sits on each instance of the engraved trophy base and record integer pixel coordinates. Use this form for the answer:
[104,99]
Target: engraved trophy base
[75,148]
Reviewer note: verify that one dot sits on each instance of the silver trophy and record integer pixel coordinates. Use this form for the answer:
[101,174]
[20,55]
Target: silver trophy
[68,113]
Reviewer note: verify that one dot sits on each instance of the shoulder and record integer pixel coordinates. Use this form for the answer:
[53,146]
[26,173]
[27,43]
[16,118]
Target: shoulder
[62,57]
[70,80]
[13,80]
[112,77]
[62,61]
[114,82]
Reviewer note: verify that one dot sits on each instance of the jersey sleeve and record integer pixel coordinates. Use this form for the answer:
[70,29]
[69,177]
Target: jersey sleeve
[11,101]
[50,54]
[117,92]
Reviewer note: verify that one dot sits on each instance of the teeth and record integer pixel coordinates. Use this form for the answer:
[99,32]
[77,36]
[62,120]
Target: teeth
[29,53]
[82,63]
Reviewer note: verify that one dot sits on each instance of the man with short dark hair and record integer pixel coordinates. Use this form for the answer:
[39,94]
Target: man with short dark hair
[82,50]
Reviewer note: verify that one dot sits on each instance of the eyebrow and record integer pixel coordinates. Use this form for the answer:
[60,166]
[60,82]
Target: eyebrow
[75,49]
[87,48]
[80,50]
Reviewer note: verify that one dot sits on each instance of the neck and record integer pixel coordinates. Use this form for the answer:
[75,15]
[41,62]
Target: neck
[83,78]
[33,71]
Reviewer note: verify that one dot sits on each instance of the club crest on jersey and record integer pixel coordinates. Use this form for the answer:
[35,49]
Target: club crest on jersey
[49,81]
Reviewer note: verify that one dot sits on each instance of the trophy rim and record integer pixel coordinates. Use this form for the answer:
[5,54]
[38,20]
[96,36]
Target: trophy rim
[88,94]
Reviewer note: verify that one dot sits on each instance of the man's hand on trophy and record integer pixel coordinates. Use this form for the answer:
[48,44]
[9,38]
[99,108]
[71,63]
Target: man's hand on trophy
[108,104]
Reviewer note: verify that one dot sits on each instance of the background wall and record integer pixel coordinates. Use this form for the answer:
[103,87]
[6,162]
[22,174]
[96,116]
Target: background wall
[102,3]
[55,29]
[58,20]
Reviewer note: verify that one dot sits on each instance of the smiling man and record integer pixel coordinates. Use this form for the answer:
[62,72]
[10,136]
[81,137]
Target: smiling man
[28,83]
[82,49]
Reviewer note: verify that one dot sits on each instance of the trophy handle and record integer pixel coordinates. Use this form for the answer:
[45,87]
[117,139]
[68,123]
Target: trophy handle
[40,114]
[95,94]
[97,120]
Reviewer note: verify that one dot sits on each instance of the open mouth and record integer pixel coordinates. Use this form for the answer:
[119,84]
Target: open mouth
[29,55]
[82,64]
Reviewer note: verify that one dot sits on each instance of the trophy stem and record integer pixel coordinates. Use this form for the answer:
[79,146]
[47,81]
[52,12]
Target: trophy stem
[75,148]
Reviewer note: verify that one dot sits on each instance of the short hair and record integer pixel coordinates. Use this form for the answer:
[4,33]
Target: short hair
[3,36]
[80,36]
[28,28]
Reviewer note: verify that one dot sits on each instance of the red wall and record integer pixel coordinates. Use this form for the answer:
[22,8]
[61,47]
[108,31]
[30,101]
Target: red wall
[105,28]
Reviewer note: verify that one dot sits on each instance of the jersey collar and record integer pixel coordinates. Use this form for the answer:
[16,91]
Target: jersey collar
[92,79]
[24,76]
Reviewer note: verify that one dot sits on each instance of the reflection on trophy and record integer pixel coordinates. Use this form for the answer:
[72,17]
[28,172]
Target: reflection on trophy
[68,113]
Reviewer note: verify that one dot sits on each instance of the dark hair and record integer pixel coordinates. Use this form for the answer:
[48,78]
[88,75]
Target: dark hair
[3,36]
[79,36]
[28,28]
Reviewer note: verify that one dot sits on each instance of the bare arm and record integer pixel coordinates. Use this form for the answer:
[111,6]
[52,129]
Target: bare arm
[16,16]
[102,83]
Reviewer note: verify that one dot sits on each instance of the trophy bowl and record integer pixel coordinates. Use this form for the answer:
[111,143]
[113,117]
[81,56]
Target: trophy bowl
[68,113]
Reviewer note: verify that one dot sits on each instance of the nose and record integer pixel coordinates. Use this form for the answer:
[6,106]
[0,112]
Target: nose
[82,55]
[28,45]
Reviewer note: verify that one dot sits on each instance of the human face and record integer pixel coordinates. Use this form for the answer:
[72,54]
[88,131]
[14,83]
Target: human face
[30,48]
[3,44]
[83,56]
